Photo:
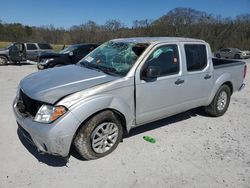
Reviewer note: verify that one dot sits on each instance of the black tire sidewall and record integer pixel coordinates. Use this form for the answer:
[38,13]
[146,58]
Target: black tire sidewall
[89,127]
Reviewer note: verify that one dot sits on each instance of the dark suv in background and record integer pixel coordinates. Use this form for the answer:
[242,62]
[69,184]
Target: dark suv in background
[70,55]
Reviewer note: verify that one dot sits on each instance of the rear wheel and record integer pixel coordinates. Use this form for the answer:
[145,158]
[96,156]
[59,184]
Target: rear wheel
[99,136]
[220,102]
[3,60]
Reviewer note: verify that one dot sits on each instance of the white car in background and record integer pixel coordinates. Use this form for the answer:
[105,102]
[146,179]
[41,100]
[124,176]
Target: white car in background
[232,53]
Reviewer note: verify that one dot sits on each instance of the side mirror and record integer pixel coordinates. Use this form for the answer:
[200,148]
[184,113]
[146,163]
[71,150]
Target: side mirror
[151,73]
[71,53]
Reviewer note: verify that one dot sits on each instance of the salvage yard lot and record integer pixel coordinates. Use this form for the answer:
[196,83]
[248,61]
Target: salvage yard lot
[191,150]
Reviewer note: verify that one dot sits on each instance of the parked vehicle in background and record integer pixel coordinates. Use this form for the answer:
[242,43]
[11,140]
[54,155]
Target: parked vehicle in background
[122,84]
[69,55]
[232,53]
[18,52]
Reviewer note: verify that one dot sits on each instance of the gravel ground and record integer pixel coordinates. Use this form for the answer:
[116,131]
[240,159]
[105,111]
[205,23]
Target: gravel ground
[191,150]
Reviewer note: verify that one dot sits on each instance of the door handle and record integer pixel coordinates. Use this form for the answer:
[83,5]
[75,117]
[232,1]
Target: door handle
[207,76]
[179,81]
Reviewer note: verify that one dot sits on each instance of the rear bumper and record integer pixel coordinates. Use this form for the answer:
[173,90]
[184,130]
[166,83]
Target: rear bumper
[242,87]
[54,138]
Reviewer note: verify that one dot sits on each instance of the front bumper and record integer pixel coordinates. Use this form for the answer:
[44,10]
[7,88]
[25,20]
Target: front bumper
[54,138]
[242,87]
[41,66]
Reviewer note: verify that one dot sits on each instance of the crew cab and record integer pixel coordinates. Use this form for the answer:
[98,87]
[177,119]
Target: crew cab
[122,84]
[18,52]
[70,55]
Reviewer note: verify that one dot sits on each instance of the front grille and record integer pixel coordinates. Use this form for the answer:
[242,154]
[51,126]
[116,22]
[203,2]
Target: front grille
[27,105]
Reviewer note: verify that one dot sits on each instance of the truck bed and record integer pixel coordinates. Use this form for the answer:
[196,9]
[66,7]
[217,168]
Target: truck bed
[222,63]
[227,67]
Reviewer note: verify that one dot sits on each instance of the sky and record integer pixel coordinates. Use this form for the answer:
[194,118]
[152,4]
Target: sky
[61,13]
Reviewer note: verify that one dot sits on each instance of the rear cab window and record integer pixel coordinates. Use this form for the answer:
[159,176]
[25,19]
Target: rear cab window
[196,57]
[31,46]
[44,46]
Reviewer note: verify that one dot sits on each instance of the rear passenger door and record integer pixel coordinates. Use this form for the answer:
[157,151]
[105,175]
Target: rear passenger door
[198,76]
[31,51]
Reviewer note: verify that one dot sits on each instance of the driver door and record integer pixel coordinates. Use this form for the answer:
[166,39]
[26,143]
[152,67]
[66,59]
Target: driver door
[160,97]
[14,52]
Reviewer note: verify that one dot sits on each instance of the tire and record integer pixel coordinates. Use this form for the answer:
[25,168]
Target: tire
[236,56]
[218,56]
[3,60]
[220,103]
[93,142]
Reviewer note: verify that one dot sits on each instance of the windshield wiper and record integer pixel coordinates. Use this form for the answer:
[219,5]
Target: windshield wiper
[89,65]
[108,70]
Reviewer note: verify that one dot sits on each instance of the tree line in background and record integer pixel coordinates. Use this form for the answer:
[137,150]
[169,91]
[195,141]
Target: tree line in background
[180,22]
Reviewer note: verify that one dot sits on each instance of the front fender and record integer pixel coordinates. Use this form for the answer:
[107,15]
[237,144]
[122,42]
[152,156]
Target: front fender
[226,77]
[87,107]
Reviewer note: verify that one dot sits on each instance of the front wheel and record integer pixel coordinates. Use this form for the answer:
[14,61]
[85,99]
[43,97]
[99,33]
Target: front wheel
[99,136]
[220,102]
[3,60]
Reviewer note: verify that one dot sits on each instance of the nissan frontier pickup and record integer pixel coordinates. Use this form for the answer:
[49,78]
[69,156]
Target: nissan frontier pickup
[122,84]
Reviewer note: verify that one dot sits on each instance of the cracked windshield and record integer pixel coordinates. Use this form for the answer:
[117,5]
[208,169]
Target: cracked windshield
[115,58]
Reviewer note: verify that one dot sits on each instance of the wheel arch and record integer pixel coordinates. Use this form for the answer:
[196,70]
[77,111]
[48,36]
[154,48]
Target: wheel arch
[225,79]
[230,85]
[90,107]
[3,55]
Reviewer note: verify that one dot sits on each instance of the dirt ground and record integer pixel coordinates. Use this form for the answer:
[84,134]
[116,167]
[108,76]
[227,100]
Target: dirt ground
[191,150]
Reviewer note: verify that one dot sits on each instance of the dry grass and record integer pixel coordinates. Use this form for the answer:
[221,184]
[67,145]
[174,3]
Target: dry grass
[56,47]
[4,44]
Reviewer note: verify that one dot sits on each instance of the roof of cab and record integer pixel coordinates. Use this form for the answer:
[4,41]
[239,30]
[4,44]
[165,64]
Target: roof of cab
[157,39]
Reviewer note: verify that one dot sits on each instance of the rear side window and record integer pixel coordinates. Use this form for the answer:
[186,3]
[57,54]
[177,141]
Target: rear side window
[31,46]
[83,50]
[44,46]
[166,58]
[225,50]
[196,56]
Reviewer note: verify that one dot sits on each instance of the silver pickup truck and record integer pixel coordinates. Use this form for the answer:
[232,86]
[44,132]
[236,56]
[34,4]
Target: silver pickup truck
[122,84]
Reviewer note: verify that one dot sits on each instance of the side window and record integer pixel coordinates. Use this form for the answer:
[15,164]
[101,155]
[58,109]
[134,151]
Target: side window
[196,56]
[44,46]
[225,50]
[82,51]
[31,46]
[166,58]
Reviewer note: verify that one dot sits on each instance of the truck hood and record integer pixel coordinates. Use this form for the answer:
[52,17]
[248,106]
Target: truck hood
[53,84]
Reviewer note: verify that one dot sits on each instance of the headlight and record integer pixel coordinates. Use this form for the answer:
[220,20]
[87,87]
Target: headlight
[45,61]
[48,113]
[48,60]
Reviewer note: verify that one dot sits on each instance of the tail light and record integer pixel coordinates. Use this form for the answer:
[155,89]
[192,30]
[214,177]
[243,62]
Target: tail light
[245,71]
